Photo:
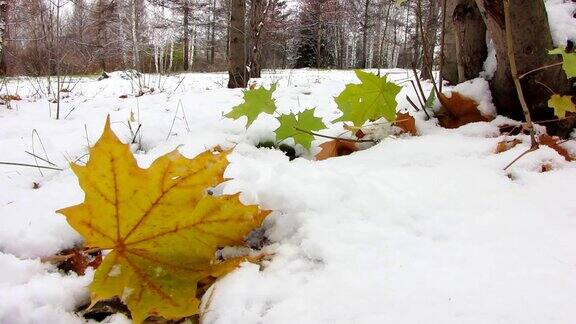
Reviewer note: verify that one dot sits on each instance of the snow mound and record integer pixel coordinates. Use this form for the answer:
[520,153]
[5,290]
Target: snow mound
[561,20]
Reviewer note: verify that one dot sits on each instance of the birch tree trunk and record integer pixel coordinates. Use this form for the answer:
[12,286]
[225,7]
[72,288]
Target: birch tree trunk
[135,45]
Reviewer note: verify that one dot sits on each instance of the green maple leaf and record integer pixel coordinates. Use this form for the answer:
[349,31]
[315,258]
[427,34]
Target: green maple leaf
[400,2]
[430,101]
[569,61]
[374,98]
[561,105]
[291,126]
[256,101]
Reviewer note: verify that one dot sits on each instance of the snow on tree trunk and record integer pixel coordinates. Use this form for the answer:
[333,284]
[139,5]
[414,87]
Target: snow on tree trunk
[532,40]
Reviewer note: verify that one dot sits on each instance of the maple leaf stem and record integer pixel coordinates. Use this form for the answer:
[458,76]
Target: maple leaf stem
[335,138]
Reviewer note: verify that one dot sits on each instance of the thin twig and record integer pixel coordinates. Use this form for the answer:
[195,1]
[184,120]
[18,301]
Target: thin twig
[413,104]
[30,165]
[335,138]
[419,84]
[545,86]
[514,71]
[41,158]
[531,149]
[136,134]
[417,93]
[34,131]
[540,68]
[554,120]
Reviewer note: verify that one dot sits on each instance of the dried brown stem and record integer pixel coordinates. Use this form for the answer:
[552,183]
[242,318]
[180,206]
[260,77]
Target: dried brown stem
[539,69]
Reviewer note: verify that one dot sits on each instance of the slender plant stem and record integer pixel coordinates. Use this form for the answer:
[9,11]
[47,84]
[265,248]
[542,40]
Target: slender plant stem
[416,91]
[335,138]
[514,71]
[413,104]
[30,165]
[554,120]
[41,158]
[545,86]
[419,84]
[540,68]
[531,149]
[136,134]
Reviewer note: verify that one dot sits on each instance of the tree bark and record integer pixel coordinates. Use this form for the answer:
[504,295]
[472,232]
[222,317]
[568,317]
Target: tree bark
[429,38]
[470,35]
[450,68]
[364,60]
[237,60]
[3,34]
[257,18]
[532,40]
[213,33]
[186,34]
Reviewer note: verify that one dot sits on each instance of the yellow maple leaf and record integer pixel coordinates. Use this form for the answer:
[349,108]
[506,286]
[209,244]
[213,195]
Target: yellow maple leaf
[161,225]
[561,105]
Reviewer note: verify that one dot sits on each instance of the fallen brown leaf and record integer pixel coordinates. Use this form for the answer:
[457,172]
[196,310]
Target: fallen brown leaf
[505,145]
[336,148]
[406,122]
[79,260]
[551,142]
[459,110]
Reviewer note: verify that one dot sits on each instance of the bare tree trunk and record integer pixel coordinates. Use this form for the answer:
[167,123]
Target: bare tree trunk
[135,29]
[213,33]
[186,34]
[257,25]
[532,40]
[470,34]
[450,67]
[365,34]
[237,60]
[100,27]
[429,38]
[3,34]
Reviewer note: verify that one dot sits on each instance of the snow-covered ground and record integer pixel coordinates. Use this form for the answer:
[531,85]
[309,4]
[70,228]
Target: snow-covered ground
[423,229]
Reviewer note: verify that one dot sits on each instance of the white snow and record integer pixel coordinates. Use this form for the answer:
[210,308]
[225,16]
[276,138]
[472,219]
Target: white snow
[425,229]
[491,62]
[562,21]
